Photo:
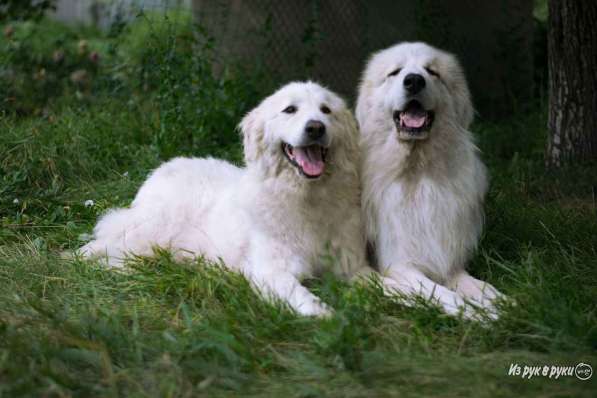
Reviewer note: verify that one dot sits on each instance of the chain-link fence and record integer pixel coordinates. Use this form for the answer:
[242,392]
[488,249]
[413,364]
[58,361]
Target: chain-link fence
[104,13]
[330,40]
[321,40]
[288,40]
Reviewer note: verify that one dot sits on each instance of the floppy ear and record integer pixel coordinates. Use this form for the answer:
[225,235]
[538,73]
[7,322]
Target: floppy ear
[251,128]
[462,96]
[363,107]
[366,86]
[348,157]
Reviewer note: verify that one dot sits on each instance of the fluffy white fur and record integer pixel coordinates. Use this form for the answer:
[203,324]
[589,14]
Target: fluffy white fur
[422,194]
[266,220]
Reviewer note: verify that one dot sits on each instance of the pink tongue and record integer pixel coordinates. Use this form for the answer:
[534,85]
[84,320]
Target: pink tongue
[413,119]
[309,158]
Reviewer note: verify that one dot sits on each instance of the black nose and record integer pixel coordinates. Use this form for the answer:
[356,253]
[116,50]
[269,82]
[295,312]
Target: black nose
[413,83]
[315,129]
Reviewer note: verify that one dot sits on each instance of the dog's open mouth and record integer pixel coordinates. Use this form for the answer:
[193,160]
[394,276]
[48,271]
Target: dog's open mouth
[310,160]
[414,121]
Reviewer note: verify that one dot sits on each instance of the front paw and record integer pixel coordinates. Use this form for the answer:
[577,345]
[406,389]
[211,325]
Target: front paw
[478,291]
[454,305]
[315,308]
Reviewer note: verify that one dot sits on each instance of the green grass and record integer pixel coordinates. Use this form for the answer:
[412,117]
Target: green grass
[72,328]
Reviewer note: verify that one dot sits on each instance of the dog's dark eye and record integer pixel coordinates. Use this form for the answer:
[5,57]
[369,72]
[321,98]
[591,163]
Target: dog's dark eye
[432,72]
[394,72]
[325,109]
[290,109]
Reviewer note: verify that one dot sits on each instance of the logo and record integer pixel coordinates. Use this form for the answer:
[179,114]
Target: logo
[583,371]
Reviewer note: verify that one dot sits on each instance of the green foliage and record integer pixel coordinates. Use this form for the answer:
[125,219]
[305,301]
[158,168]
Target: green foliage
[161,65]
[40,158]
[40,63]
[198,110]
[540,10]
[144,43]
[24,9]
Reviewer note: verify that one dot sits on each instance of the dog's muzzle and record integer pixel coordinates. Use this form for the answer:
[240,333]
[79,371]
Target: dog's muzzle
[309,160]
[414,121]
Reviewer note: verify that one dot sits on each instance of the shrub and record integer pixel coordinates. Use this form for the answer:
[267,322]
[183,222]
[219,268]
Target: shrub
[170,59]
[151,95]
[24,9]
[40,62]
[160,64]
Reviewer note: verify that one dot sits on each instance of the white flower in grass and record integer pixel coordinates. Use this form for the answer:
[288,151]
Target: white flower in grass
[16,201]
[85,237]
[89,203]
[125,174]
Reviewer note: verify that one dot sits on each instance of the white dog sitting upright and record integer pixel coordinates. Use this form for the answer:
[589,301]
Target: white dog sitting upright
[296,200]
[423,181]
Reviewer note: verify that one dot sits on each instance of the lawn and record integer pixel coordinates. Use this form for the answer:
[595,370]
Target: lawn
[72,328]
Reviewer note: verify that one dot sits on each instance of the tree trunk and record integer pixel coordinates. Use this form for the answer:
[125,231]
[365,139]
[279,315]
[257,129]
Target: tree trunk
[572,58]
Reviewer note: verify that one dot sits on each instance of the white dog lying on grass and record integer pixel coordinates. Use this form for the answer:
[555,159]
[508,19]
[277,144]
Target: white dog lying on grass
[296,201]
[423,181]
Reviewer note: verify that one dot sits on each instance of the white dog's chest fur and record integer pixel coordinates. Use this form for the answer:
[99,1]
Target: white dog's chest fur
[421,208]
[426,223]
[303,225]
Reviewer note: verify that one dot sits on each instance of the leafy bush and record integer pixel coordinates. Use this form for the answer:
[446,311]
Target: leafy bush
[24,9]
[170,58]
[142,43]
[42,62]
[149,93]
[161,64]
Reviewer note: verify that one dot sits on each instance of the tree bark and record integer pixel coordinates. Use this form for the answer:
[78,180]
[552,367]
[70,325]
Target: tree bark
[572,59]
